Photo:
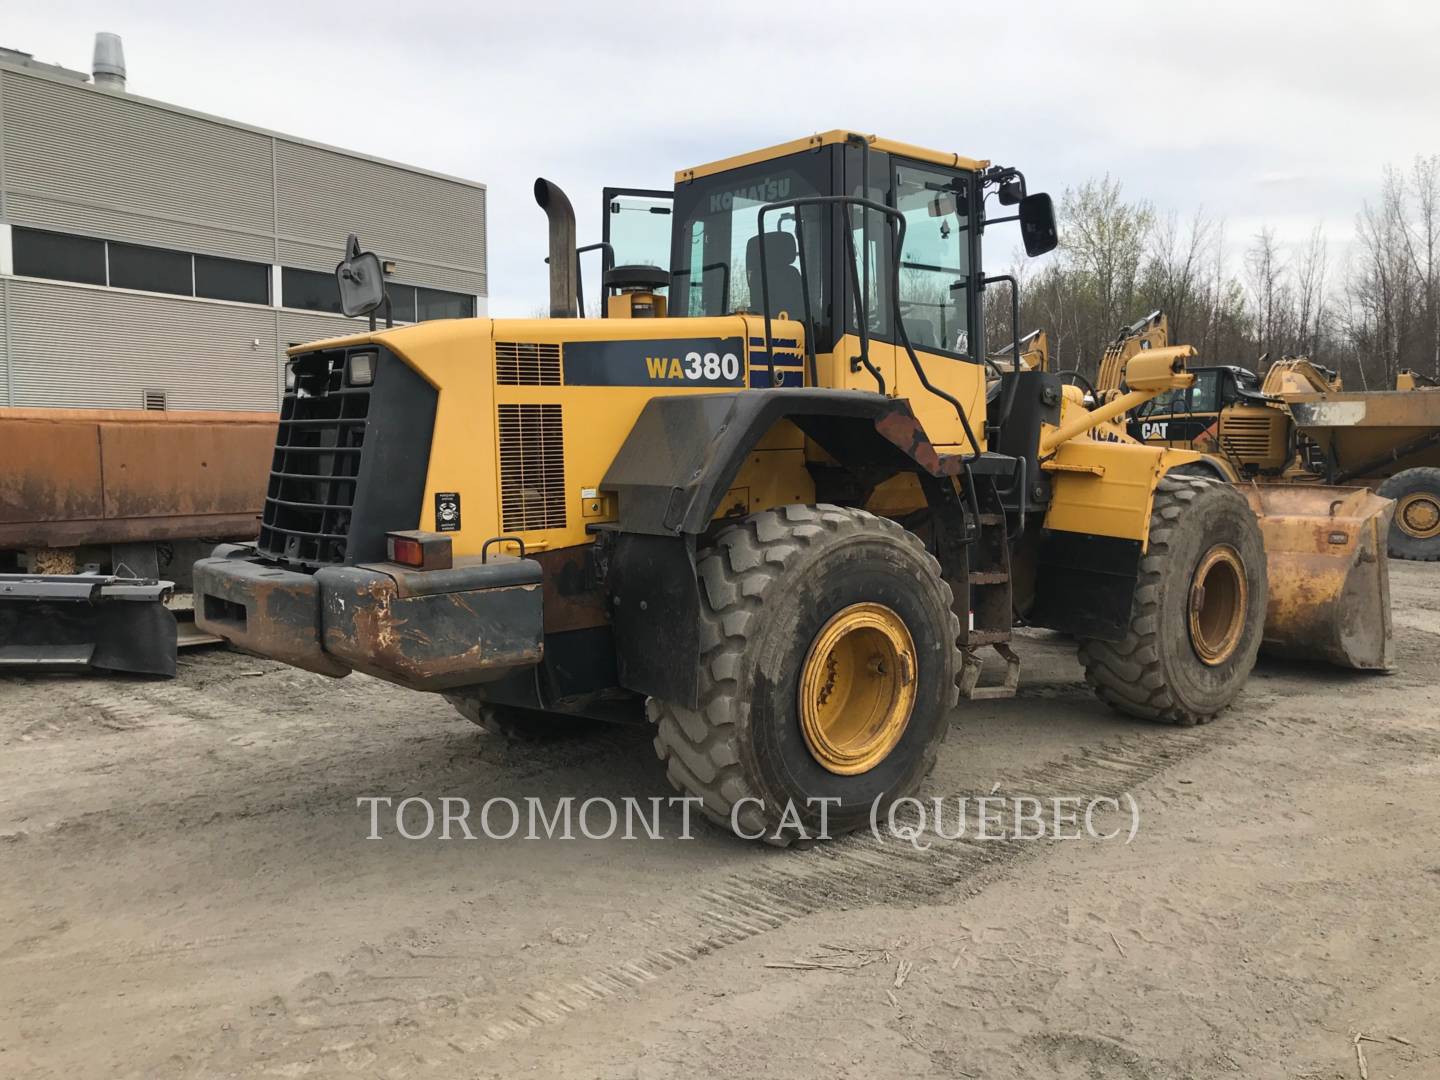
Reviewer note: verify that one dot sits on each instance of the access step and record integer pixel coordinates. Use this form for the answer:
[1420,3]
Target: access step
[971,668]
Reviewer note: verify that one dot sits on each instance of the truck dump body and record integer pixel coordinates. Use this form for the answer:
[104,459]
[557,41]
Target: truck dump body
[73,477]
[1371,434]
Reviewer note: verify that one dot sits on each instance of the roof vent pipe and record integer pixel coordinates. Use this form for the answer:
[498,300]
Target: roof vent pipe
[109,64]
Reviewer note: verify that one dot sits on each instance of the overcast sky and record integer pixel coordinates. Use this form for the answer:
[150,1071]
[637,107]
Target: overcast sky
[1263,112]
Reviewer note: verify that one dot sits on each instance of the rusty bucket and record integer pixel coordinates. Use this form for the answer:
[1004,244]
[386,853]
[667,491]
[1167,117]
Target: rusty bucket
[1329,579]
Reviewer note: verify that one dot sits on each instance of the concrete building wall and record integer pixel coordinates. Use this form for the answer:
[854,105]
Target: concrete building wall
[81,161]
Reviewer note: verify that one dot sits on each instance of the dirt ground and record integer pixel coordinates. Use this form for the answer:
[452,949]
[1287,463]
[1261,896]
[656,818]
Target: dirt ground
[186,890]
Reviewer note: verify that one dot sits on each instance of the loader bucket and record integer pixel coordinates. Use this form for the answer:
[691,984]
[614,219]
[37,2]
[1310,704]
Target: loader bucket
[1329,579]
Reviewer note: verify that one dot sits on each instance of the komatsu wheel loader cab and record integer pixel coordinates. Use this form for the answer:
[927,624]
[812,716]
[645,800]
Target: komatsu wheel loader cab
[778,515]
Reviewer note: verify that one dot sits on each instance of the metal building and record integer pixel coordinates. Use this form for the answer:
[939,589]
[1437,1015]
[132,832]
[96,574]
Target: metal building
[156,257]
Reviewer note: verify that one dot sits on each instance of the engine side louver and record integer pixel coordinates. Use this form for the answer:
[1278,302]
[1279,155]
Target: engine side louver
[532,467]
[1246,436]
[524,363]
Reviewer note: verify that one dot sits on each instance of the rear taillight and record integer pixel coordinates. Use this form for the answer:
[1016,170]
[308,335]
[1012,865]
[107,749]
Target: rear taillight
[422,550]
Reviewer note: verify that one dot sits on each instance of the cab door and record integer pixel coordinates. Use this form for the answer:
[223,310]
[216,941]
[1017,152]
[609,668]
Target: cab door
[935,305]
[634,231]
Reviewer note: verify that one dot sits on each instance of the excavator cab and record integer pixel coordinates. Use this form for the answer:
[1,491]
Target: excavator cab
[1224,414]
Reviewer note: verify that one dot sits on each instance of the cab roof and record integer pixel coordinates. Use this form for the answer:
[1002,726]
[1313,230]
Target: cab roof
[827,138]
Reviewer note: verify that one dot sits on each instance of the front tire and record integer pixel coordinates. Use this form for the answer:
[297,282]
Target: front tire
[1199,609]
[1415,528]
[828,671]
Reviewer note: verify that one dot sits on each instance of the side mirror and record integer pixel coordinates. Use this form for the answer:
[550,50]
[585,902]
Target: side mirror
[1037,224]
[361,279]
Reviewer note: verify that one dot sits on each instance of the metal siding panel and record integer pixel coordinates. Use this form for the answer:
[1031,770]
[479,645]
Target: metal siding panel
[112,224]
[308,256]
[72,145]
[411,217]
[297,328]
[80,347]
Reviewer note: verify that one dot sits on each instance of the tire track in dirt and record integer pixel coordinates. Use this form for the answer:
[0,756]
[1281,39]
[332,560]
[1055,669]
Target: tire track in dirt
[350,1019]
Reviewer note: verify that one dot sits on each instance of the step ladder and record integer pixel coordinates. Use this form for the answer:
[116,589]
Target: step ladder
[990,616]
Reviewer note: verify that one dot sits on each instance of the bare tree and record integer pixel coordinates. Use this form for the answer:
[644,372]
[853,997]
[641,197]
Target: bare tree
[1311,309]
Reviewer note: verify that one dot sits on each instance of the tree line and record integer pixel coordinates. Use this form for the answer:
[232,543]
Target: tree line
[1367,314]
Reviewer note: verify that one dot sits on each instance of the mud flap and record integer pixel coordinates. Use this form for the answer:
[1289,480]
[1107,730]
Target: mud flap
[70,622]
[1329,579]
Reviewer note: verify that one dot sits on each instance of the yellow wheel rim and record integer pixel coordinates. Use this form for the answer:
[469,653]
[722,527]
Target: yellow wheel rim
[1418,515]
[857,688]
[1219,598]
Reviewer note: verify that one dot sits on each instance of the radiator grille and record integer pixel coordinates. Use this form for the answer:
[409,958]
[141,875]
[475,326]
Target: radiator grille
[318,448]
[532,467]
[1246,436]
[523,363]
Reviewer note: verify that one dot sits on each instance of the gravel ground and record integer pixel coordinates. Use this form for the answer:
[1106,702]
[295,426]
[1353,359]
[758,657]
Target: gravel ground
[187,889]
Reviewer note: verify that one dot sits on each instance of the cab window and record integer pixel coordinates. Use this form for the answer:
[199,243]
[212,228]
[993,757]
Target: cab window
[1166,404]
[718,252]
[934,262]
[637,226]
[1205,393]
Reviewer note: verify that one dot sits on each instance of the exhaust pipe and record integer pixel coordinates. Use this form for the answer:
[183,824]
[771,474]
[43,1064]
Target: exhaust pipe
[564,292]
[108,66]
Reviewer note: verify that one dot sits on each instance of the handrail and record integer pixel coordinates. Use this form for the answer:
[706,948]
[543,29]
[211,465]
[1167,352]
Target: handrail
[897,233]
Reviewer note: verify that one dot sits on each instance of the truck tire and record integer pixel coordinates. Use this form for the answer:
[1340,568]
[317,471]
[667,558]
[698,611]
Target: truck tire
[827,671]
[512,722]
[1199,609]
[1415,528]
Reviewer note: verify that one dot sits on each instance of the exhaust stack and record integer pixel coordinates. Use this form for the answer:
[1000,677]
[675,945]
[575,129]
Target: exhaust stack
[108,66]
[564,292]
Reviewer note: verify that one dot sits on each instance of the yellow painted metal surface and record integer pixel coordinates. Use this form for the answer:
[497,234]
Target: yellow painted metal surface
[1108,488]
[456,356]
[828,138]
[1329,593]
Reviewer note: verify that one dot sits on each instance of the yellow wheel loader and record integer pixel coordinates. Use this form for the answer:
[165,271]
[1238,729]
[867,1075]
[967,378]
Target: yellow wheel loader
[1325,542]
[1299,425]
[768,502]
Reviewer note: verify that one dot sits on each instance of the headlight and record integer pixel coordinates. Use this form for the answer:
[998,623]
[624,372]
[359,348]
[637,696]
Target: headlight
[362,369]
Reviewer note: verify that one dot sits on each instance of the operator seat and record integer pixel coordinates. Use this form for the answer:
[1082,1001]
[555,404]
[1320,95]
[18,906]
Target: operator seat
[786,287]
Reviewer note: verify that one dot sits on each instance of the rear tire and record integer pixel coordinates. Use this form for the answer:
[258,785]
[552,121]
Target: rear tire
[778,590]
[517,724]
[1415,528]
[1187,653]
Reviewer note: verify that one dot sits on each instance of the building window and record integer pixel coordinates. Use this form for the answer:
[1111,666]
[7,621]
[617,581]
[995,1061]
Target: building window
[437,304]
[150,269]
[231,279]
[64,258]
[309,290]
[90,261]
[402,301]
